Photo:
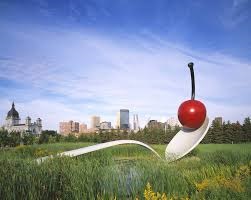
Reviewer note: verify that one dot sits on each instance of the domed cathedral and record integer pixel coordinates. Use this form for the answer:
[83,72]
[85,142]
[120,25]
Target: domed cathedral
[12,123]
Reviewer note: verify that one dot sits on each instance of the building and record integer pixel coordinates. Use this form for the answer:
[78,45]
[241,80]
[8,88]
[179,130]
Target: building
[172,121]
[75,127]
[152,124]
[135,123]
[83,128]
[70,127]
[105,125]
[95,122]
[218,120]
[12,123]
[123,119]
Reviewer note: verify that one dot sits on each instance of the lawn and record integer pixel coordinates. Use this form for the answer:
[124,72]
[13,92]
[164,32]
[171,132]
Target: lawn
[212,171]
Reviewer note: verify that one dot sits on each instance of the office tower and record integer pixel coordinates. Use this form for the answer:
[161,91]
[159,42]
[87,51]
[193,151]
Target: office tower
[66,128]
[95,122]
[83,128]
[105,125]
[152,124]
[135,122]
[123,119]
[218,120]
[75,127]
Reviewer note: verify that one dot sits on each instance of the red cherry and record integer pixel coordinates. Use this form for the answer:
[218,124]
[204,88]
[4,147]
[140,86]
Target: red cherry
[192,114]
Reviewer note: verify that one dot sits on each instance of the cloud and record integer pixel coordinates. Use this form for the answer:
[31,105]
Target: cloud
[79,73]
[236,13]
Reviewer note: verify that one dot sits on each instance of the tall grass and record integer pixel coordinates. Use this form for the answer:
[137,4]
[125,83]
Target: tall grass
[123,172]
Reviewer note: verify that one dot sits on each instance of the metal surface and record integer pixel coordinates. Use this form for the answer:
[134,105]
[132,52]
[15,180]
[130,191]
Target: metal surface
[190,65]
[84,150]
[185,141]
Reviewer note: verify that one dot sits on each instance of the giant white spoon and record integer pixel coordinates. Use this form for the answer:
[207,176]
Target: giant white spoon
[182,143]
[185,141]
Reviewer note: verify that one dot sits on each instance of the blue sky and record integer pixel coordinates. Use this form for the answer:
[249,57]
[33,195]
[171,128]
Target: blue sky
[73,59]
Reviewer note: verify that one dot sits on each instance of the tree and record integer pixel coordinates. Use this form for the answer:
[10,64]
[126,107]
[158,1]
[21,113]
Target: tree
[125,135]
[14,138]
[48,136]
[169,133]
[217,132]
[228,132]
[208,138]
[43,138]
[28,138]
[237,132]
[246,130]
[3,138]
[70,138]
[50,132]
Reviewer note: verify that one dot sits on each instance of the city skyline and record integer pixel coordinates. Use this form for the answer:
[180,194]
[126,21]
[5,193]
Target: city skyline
[76,59]
[70,126]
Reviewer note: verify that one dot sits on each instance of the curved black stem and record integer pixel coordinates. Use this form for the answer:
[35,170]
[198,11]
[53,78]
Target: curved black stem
[190,65]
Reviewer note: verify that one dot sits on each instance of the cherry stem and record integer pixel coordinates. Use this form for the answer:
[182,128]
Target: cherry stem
[190,65]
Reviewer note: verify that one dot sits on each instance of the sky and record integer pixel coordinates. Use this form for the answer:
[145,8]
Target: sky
[69,60]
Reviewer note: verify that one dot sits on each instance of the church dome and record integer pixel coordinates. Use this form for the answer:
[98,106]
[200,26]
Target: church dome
[13,113]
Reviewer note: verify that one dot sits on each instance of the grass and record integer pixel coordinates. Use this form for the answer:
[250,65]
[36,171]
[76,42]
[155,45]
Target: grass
[207,148]
[212,171]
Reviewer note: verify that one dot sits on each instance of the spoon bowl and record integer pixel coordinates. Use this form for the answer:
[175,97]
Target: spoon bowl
[185,141]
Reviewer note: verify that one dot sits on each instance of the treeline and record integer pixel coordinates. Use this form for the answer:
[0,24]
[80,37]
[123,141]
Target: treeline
[218,133]
[229,132]
[151,136]
[13,138]
[147,135]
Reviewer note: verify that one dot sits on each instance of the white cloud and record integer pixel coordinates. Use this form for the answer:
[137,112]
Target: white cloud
[235,14]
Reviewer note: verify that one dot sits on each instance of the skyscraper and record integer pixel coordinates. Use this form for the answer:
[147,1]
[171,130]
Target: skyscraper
[123,119]
[135,123]
[95,122]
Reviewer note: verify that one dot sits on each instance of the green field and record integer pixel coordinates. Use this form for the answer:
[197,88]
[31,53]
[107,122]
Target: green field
[211,171]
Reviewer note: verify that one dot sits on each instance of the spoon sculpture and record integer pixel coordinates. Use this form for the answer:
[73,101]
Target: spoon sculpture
[191,114]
